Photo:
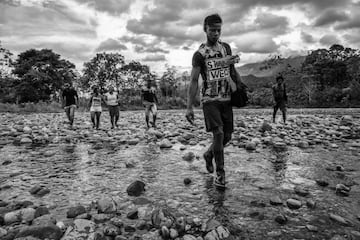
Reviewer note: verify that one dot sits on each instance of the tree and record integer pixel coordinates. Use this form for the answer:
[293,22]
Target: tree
[135,74]
[168,81]
[103,70]
[40,73]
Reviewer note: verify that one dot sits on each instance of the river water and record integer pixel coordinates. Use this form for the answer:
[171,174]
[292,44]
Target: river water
[80,172]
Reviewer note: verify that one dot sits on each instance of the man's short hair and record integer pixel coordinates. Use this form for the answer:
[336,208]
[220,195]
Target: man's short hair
[279,78]
[211,20]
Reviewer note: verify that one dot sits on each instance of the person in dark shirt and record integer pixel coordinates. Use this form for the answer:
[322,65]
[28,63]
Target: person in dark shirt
[280,97]
[70,101]
[215,63]
[149,101]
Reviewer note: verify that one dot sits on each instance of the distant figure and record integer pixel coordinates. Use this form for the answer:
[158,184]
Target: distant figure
[280,97]
[95,107]
[149,101]
[112,101]
[70,101]
[215,63]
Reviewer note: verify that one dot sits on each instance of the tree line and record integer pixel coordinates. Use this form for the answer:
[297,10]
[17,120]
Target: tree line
[326,77]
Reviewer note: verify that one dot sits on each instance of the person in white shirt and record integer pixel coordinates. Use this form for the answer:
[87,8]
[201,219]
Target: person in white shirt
[112,101]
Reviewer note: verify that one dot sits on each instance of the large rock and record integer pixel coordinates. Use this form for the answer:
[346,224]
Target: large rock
[220,233]
[47,219]
[50,232]
[106,205]
[189,156]
[293,203]
[165,143]
[265,127]
[80,230]
[75,211]
[136,188]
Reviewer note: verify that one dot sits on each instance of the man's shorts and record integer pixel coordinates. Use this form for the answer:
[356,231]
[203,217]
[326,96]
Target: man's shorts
[114,110]
[281,105]
[67,108]
[216,114]
[150,106]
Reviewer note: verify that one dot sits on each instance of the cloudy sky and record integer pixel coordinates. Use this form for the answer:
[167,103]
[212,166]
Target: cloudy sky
[156,32]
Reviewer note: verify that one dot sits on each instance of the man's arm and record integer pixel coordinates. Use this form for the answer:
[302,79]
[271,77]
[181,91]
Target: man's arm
[76,99]
[193,88]
[89,105]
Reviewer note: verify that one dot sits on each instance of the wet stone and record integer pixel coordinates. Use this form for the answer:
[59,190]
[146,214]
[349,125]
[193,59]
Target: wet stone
[339,219]
[111,230]
[187,181]
[281,219]
[293,203]
[141,201]
[75,211]
[132,214]
[41,232]
[190,156]
[276,200]
[301,191]
[322,183]
[310,203]
[312,228]
[136,188]
[101,217]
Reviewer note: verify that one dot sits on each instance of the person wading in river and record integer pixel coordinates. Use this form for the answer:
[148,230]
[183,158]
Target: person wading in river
[280,97]
[95,107]
[70,101]
[112,100]
[214,62]
[149,101]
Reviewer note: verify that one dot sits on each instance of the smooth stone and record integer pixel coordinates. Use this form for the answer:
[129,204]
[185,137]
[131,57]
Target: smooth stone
[72,212]
[132,215]
[136,188]
[101,217]
[111,230]
[312,228]
[41,232]
[189,156]
[339,219]
[293,203]
[281,219]
[141,201]
[187,181]
[276,200]
[47,219]
[165,143]
[106,205]
[301,191]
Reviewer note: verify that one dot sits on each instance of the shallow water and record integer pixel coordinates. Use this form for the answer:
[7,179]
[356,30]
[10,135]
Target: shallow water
[82,172]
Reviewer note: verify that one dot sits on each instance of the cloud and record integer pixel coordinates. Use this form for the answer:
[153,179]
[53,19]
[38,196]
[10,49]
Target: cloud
[110,45]
[307,38]
[40,21]
[255,42]
[154,58]
[331,16]
[353,37]
[354,22]
[114,7]
[329,39]
[142,49]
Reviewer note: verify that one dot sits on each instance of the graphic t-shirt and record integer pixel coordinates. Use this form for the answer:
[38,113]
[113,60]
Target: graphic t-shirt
[112,99]
[69,95]
[96,101]
[214,71]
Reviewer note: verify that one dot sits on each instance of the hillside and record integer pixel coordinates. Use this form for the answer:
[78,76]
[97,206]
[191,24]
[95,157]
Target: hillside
[270,67]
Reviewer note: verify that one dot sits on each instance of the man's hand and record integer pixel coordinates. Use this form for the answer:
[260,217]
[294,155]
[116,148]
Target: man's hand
[232,59]
[190,116]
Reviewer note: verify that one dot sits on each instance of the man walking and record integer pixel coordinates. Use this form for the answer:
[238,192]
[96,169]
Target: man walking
[149,101]
[70,101]
[280,97]
[112,100]
[213,61]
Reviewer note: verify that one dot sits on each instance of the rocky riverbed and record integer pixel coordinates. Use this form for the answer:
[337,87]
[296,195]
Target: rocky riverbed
[294,181]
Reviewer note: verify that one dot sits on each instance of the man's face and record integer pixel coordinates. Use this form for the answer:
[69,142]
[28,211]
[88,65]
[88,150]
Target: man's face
[213,32]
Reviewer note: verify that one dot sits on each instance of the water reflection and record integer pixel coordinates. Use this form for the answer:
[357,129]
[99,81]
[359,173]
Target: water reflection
[280,165]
